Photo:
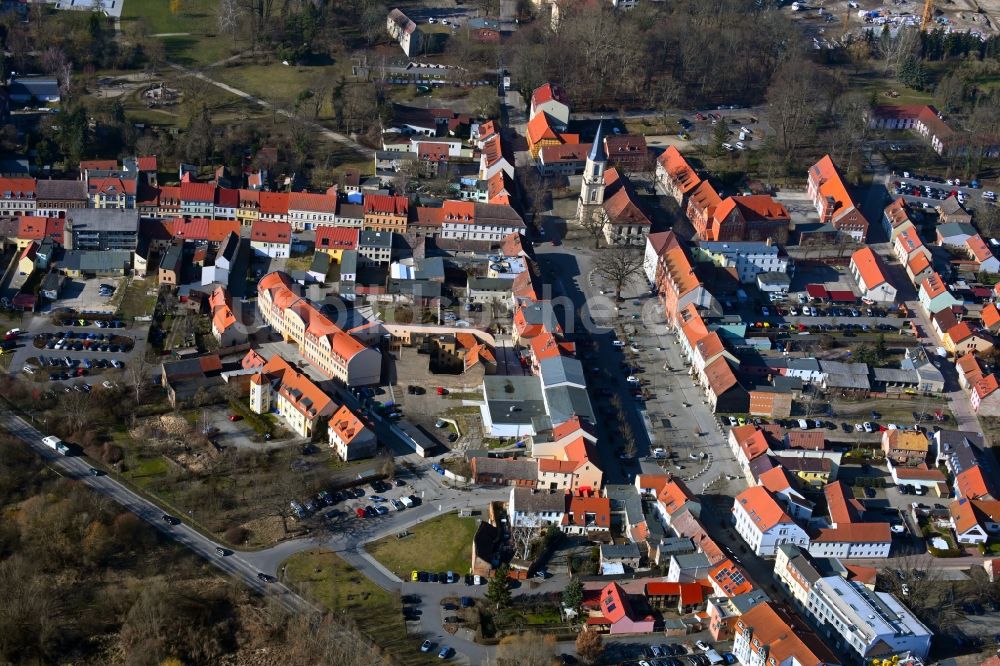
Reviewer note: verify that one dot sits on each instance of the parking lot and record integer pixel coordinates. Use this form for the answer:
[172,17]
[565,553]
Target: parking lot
[86,295]
[91,356]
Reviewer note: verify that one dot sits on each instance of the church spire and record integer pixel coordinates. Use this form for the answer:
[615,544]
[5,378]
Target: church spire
[597,150]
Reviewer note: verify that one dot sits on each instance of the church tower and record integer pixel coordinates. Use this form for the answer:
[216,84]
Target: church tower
[592,190]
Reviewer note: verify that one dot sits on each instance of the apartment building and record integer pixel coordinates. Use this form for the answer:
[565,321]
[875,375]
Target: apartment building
[331,350]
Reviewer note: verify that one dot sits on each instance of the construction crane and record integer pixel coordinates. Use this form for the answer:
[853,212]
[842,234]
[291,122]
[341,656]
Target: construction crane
[928,14]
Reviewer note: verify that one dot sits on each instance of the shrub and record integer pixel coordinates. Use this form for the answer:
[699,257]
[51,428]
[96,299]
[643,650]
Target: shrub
[237,535]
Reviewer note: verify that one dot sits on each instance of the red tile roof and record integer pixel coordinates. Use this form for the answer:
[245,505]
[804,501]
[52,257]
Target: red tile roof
[339,238]
[990,315]
[308,201]
[203,229]
[548,92]
[386,204]
[273,203]
[264,231]
[146,163]
[200,192]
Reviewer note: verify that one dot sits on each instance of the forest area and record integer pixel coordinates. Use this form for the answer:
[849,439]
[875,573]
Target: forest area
[87,582]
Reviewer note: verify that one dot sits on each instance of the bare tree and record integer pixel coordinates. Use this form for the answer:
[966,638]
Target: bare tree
[528,649]
[521,537]
[592,222]
[228,16]
[137,375]
[621,266]
[797,98]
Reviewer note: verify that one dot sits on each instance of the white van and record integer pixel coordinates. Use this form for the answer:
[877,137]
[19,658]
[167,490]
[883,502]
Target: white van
[804,424]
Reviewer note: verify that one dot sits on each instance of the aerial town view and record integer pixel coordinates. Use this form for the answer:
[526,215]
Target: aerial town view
[501,332]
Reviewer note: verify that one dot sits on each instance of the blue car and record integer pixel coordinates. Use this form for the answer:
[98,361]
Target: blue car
[445,652]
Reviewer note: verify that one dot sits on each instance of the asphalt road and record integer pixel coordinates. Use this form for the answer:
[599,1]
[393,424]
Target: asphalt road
[78,467]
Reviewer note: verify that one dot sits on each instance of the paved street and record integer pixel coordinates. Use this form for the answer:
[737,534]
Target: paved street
[568,268]
[76,467]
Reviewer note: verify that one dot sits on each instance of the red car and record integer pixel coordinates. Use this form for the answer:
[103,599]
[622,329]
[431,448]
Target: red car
[442,391]
[235,417]
[360,512]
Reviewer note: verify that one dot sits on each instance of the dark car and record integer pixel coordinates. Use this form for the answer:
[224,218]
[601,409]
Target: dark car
[221,552]
[411,598]
[432,577]
[171,520]
[423,576]
[95,472]
[870,493]
[265,578]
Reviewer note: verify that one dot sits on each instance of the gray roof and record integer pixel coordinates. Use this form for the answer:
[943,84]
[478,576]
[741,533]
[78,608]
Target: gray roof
[497,215]
[430,268]
[230,247]
[956,229]
[172,257]
[95,261]
[625,497]
[320,263]
[557,370]
[675,546]
[490,284]
[801,561]
[65,190]
[692,561]
[377,239]
[614,551]
[785,384]
[415,288]
[34,86]
[509,468]
[514,399]
[566,402]
[894,376]
[739,247]
[846,375]
[802,364]
[540,313]
[529,500]
[104,219]
[950,206]
[744,602]
[963,450]
[774,277]
[349,261]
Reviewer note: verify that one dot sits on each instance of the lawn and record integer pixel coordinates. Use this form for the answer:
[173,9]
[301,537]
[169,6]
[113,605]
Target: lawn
[274,81]
[441,544]
[326,578]
[200,46]
[137,300]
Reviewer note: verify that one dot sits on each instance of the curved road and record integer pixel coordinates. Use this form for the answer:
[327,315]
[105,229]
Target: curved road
[78,468]
[347,536]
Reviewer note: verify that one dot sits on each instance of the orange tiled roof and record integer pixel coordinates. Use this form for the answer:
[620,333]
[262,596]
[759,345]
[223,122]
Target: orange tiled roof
[918,264]
[679,169]
[346,424]
[539,129]
[855,533]
[674,495]
[776,480]
[296,387]
[869,266]
[986,386]
[386,204]
[720,376]
[841,506]
[971,483]
[273,203]
[933,285]
[897,212]
[730,578]
[763,509]
[265,231]
[991,315]
[781,635]
[831,185]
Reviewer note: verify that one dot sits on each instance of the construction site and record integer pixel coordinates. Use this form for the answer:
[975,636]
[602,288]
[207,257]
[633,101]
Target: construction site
[828,21]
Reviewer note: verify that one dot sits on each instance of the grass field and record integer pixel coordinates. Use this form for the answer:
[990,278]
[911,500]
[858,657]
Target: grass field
[274,81]
[441,544]
[137,301]
[327,579]
[199,46]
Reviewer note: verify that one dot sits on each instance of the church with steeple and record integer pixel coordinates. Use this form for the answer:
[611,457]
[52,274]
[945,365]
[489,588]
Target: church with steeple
[592,189]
